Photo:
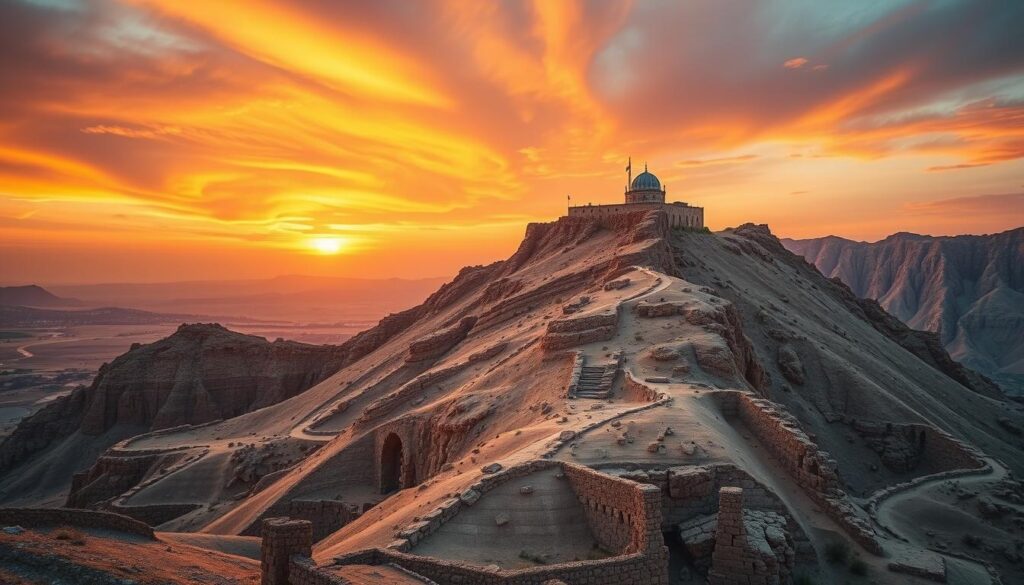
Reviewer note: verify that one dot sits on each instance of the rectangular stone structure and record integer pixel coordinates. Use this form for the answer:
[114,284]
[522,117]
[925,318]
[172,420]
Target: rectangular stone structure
[282,538]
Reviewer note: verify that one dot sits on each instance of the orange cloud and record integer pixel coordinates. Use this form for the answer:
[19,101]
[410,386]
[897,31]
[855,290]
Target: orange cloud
[258,126]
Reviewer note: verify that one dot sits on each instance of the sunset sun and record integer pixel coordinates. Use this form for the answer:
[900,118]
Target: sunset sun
[327,246]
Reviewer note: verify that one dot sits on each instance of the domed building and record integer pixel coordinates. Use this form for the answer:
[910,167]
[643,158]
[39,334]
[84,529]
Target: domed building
[644,193]
[645,188]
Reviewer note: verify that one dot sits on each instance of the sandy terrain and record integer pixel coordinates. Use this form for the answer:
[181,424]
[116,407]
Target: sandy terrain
[70,554]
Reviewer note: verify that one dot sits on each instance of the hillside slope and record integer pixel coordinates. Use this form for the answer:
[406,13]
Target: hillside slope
[201,373]
[649,353]
[968,289]
[33,295]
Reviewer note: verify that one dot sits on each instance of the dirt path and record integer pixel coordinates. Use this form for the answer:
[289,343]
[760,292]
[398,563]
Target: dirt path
[886,506]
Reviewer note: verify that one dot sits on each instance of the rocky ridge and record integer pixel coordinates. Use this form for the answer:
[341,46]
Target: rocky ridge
[968,290]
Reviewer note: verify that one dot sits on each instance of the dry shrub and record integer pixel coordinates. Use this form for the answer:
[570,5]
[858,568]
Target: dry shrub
[72,535]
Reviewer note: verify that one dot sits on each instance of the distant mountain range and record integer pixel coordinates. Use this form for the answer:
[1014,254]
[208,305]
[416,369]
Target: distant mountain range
[33,296]
[968,289]
[14,316]
[318,300]
[295,298]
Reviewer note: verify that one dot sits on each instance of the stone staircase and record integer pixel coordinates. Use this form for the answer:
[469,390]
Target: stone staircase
[594,381]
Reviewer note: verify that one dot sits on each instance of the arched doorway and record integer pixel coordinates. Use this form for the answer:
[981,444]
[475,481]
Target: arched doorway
[391,464]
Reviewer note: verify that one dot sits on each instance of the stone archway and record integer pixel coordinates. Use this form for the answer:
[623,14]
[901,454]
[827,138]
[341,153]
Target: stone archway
[391,460]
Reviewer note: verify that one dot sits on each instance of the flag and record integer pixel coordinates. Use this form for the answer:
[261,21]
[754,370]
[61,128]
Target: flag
[629,165]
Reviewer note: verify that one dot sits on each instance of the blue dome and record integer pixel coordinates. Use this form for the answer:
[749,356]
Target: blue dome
[645,181]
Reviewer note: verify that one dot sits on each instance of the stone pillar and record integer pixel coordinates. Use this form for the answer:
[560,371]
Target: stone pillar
[729,563]
[282,538]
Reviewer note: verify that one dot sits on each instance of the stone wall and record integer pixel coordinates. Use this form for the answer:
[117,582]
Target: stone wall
[154,514]
[624,570]
[624,516]
[736,559]
[679,214]
[282,538]
[903,447]
[578,330]
[325,516]
[31,517]
[691,491]
[811,468]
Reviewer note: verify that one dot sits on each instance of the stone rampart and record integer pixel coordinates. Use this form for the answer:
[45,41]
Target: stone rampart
[811,468]
[33,517]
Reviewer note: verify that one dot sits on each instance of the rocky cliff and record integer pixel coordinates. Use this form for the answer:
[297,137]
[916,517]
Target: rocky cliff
[201,373]
[969,290]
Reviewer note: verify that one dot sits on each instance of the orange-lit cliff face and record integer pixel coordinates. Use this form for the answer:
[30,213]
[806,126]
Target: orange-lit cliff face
[159,140]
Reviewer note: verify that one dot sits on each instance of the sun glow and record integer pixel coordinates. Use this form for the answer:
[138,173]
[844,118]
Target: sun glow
[327,245]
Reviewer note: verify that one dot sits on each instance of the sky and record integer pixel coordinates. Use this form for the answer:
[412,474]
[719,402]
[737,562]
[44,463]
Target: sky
[161,140]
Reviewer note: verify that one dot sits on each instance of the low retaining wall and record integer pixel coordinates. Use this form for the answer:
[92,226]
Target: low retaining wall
[812,469]
[33,517]
[154,514]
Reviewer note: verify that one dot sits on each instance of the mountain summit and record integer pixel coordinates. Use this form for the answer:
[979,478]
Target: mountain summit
[622,395]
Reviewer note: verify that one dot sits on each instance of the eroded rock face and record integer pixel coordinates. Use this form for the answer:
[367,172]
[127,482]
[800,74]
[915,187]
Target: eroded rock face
[201,373]
[967,289]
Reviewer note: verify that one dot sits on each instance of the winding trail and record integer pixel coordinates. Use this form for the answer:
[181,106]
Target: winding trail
[885,506]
